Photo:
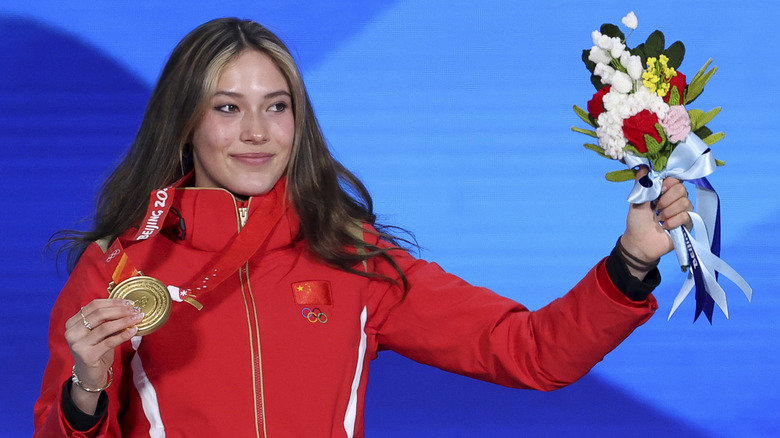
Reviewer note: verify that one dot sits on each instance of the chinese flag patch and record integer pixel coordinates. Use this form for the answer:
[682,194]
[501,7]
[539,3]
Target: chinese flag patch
[312,292]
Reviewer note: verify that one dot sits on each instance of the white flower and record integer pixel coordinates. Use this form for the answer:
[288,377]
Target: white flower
[610,132]
[631,21]
[624,58]
[651,101]
[617,48]
[625,109]
[644,95]
[622,82]
[596,35]
[660,108]
[599,55]
[611,100]
[601,40]
[605,72]
[634,67]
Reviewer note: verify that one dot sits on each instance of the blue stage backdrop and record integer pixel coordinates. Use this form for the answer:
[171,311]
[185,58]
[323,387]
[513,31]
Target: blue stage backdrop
[457,115]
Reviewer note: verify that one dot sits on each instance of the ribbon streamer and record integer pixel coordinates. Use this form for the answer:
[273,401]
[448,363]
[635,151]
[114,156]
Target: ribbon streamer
[692,161]
[703,273]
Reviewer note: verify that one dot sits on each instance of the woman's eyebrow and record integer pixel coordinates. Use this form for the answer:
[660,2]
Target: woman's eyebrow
[270,95]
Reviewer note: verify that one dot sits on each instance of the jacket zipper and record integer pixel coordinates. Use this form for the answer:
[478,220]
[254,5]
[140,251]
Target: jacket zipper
[242,208]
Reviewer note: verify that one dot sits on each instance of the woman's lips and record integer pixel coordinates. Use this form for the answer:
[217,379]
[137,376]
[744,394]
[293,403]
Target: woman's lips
[254,158]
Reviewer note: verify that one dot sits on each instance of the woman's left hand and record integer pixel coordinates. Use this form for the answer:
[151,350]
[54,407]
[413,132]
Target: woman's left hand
[645,236]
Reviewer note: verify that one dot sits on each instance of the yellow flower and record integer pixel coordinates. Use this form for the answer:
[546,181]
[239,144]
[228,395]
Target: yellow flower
[658,74]
[663,89]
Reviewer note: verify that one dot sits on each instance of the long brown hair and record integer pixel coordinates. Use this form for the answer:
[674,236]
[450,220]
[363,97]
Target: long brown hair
[329,200]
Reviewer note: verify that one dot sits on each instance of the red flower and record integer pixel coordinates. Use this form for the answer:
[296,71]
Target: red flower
[678,82]
[635,128]
[596,104]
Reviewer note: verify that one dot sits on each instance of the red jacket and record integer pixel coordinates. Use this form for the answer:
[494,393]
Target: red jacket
[252,362]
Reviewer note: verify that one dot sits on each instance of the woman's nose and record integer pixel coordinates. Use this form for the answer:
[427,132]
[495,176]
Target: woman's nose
[254,130]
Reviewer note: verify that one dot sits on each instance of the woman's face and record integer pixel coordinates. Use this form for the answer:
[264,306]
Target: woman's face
[244,141]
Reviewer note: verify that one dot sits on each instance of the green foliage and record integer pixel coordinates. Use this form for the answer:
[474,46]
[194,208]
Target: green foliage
[674,97]
[585,131]
[714,138]
[699,118]
[653,146]
[703,132]
[657,151]
[696,86]
[630,149]
[597,149]
[719,162]
[654,46]
[660,162]
[640,52]
[612,31]
[621,175]
[587,118]
[675,53]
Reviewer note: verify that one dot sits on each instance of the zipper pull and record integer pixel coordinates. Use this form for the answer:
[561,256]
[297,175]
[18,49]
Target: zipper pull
[243,215]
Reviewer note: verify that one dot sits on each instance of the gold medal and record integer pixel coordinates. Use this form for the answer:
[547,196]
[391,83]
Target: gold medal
[148,293]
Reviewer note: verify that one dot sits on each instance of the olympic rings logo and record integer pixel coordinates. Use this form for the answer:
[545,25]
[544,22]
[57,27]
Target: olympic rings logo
[314,315]
[113,254]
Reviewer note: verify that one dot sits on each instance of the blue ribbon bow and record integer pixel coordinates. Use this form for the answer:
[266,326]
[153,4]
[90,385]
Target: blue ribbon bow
[692,161]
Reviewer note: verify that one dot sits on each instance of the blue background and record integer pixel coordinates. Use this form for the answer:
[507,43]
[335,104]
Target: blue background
[457,115]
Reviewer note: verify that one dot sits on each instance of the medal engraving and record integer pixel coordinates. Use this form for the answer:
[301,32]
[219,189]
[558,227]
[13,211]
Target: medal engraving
[151,295]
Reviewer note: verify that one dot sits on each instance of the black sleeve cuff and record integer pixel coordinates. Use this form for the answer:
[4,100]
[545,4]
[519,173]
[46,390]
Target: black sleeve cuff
[76,417]
[632,287]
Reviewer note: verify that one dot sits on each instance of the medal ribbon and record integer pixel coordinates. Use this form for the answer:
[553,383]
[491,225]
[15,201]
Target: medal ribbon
[159,204]
[119,262]
[225,263]
[240,248]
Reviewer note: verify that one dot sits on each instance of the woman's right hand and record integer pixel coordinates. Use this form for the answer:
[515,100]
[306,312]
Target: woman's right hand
[92,335]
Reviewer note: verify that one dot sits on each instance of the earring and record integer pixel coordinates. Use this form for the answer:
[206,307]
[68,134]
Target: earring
[185,157]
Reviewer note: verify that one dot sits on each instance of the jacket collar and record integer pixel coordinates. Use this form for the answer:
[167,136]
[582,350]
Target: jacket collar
[206,219]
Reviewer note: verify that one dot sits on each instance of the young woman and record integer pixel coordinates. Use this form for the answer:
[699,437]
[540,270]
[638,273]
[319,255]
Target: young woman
[262,254]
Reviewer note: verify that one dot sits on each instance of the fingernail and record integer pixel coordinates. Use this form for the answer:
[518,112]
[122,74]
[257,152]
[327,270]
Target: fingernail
[128,303]
[136,309]
[138,316]
[133,330]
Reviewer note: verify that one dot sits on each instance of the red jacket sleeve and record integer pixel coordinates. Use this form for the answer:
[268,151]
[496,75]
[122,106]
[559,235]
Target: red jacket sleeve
[445,322]
[87,282]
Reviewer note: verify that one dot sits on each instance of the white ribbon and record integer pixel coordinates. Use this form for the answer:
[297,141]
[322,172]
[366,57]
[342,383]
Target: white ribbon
[709,264]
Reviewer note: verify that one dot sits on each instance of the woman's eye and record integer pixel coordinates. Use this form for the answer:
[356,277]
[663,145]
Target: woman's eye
[278,107]
[227,108]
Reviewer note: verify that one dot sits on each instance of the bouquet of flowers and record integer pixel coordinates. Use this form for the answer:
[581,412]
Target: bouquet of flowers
[639,116]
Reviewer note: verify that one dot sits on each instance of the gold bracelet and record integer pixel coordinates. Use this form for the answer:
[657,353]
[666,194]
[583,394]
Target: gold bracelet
[78,383]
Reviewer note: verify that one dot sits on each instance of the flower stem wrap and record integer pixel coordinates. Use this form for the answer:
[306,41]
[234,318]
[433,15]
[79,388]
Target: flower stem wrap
[692,161]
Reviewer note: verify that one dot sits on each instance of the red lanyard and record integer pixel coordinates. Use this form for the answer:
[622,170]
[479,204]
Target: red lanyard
[224,264]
